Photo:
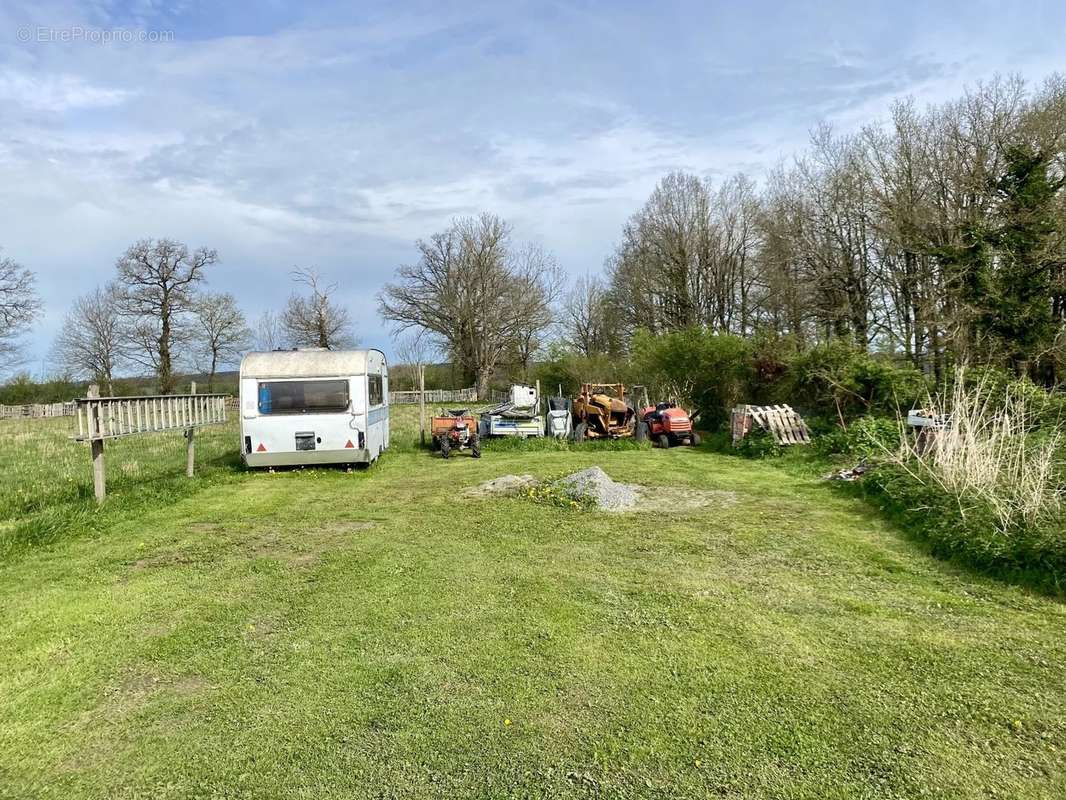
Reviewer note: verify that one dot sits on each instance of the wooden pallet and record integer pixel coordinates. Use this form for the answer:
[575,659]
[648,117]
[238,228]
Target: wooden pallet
[785,425]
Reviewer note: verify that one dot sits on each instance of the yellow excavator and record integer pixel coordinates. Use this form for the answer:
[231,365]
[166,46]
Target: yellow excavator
[601,411]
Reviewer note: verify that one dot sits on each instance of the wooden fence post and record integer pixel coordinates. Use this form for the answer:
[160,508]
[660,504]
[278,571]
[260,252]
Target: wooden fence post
[190,444]
[96,446]
[422,405]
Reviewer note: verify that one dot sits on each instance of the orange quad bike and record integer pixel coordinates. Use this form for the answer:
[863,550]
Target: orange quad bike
[667,424]
[455,429]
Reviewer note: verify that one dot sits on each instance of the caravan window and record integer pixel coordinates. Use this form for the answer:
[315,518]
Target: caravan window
[303,397]
[375,391]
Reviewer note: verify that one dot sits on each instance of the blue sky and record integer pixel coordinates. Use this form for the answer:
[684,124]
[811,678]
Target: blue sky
[335,134]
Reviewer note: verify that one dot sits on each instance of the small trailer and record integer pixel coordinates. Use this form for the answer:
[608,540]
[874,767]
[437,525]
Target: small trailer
[314,406]
[519,415]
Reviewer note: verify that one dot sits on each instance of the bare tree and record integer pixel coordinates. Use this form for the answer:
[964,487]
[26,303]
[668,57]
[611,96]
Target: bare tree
[413,350]
[156,291]
[542,279]
[586,317]
[268,332]
[91,342]
[473,293]
[222,332]
[688,256]
[19,305]
[315,320]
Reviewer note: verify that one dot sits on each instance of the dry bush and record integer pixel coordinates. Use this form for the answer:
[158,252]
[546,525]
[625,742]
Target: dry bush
[993,451]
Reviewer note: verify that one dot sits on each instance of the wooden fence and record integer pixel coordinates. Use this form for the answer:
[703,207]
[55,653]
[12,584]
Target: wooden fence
[111,417]
[436,396]
[103,418]
[38,410]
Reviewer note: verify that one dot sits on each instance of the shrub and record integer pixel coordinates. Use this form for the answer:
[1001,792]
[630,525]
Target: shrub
[988,452]
[700,369]
[567,369]
[865,437]
[1044,409]
[771,356]
[851,382]
[759,443]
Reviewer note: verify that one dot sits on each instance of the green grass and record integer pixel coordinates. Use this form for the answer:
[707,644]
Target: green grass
[375,634]
[43,467]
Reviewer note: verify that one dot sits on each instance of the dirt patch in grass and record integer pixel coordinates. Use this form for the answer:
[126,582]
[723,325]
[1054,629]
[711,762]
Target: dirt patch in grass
[157,629]
[668,499]
[166,560]
[204,527]
[134,689]
[505,484]
[304,548]
[261,629]
[342,528]
[610,495]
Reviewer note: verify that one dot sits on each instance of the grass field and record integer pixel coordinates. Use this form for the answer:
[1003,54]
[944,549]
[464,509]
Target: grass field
[377,634]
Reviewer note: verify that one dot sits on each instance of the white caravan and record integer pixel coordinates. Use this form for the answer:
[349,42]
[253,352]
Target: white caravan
[314,407]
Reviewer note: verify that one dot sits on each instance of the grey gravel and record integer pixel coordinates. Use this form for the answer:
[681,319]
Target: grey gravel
[595,484]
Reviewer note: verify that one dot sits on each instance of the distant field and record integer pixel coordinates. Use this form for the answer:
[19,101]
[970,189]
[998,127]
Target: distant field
[378,634]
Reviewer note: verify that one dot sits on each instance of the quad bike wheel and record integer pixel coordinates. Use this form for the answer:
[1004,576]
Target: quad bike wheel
[664,441]
[641,432]
[475,447]
[445,447]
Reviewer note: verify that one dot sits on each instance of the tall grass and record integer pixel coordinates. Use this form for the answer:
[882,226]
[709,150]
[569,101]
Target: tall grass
[994,451]
[989,488]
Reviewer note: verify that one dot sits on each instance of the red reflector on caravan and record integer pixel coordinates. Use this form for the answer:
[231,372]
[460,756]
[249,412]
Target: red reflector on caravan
[349,444]
[260,449]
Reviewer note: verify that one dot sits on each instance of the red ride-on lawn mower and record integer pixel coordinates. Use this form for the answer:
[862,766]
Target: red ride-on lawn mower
[669,425]
[455,430]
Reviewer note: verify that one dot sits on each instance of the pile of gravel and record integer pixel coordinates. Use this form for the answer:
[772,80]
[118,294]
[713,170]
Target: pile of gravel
[595,484]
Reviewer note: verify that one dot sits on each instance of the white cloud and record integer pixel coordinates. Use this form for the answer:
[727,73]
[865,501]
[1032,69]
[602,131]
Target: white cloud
[336,135]
[57,93]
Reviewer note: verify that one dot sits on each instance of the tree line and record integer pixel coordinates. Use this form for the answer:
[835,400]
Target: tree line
[936,237]
[157,316]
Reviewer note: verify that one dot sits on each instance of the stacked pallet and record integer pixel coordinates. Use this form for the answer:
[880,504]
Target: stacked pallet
[784,424]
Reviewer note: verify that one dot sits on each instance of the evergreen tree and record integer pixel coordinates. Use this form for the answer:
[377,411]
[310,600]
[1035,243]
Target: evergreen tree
[1018,307]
